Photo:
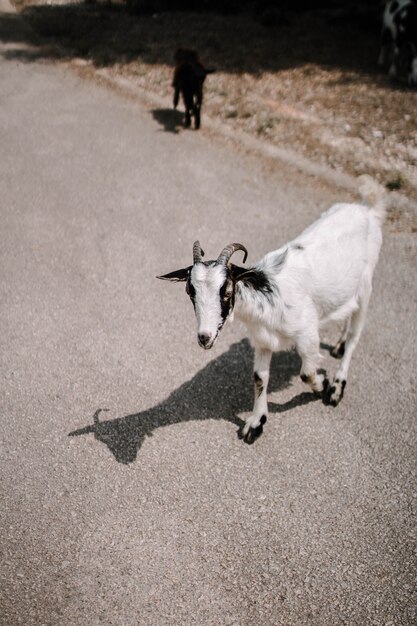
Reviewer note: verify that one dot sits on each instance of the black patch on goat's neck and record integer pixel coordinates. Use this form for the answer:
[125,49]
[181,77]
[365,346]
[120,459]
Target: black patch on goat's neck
[258,280]
[254,279]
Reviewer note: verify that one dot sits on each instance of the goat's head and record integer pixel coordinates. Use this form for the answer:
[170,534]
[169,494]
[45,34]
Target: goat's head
[211,286]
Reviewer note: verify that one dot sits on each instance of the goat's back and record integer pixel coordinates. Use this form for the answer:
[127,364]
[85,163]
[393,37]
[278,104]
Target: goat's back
[342,240]
[331,262]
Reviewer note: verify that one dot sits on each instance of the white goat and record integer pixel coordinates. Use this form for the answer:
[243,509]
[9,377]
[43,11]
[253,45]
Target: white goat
[324,274]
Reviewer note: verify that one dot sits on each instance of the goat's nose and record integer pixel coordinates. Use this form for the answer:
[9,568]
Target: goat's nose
[204,338]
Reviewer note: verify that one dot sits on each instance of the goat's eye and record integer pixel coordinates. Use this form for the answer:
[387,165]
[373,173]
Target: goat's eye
[228,292]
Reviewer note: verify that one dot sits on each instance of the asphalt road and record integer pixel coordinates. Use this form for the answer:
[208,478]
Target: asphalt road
[154,512]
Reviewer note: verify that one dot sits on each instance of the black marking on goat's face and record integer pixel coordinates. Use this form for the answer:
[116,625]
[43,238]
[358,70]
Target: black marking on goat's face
[212,291]
[190,290]
[227,298]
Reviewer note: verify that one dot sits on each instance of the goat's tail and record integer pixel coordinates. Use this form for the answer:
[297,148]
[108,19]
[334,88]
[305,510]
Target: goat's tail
[373,195]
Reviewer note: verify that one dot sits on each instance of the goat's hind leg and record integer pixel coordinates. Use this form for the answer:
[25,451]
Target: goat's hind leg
[335,391]
[254,424]
[339,349]
[197,107]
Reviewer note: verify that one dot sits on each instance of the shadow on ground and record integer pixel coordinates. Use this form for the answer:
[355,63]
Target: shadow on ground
[172,121]
[344,36]
[219,391]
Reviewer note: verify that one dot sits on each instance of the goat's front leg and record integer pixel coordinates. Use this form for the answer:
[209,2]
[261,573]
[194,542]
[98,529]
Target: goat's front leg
[187,122]
[176,95]
[254,424]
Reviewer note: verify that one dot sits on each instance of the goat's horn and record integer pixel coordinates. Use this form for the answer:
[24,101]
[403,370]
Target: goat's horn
[198,253]
[227,252]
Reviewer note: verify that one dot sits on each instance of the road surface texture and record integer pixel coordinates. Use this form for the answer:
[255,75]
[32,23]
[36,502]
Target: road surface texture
[153,512]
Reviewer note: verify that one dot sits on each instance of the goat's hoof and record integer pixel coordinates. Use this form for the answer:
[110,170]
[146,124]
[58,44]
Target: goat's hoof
[250,433]
[334,392]
[338,351]
[318,382]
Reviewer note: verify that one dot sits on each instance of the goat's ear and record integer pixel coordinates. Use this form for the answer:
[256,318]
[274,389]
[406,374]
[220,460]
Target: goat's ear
[178,275]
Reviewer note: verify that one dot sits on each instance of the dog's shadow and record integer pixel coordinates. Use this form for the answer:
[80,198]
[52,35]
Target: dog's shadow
[219,391]
[171,120]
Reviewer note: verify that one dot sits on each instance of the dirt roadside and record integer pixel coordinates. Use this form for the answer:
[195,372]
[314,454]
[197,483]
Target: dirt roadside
[304,89]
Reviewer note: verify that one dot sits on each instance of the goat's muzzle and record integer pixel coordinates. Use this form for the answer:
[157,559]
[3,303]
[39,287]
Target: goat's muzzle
[206,340]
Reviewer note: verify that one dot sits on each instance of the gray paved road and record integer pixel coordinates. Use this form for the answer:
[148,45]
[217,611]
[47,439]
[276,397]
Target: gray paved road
[154,513]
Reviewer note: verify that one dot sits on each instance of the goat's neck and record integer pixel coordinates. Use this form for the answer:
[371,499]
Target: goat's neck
[255,296]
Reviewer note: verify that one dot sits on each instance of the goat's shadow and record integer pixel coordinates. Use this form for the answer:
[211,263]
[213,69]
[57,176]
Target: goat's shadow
[219,391]
[171,120]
